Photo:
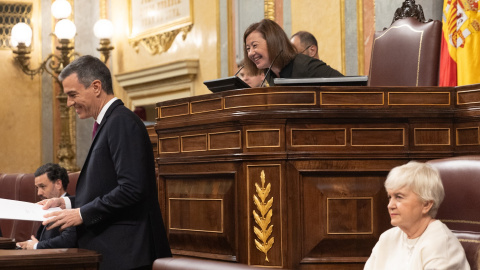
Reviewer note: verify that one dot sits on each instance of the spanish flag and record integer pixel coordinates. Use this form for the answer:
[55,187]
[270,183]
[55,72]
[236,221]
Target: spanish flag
[460,49]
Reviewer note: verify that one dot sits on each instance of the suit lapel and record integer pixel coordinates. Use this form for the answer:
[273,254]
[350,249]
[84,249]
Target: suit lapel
[112,107]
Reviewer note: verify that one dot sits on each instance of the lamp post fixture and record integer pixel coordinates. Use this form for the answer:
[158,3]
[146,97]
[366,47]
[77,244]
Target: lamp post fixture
[65,31]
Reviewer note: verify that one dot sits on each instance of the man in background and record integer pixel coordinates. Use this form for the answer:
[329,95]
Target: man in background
[305,43]
[51,181]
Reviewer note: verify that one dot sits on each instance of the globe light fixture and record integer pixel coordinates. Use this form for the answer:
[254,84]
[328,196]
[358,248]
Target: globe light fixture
[103,29]
[65,31]
[21,33]
[61,9]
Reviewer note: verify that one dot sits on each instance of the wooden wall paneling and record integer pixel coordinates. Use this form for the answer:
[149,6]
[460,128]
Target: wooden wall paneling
[467,137]
[325,137]
[261,138]
[323,153]
[201,209]
[343,209]
[429,134]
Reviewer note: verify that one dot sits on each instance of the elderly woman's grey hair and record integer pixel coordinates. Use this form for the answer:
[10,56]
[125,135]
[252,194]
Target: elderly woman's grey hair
[423,179]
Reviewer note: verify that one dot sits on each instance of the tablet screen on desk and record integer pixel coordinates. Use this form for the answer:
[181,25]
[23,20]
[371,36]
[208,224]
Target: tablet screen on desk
[224,84]
[334,81]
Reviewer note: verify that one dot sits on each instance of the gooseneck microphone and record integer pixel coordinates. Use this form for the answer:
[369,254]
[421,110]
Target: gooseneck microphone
[270,67]
[236,73]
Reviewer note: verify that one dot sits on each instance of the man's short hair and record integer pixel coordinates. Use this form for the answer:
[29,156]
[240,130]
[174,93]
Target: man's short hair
[89,68]
[306,38]
[54,172]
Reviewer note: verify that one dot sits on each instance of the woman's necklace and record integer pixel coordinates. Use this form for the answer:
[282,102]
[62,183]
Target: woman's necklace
[410,243]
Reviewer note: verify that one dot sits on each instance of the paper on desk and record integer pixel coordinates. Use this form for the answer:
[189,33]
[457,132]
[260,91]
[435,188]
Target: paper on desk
[11,209]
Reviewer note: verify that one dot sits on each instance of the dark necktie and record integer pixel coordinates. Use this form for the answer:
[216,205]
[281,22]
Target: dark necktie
[95,127]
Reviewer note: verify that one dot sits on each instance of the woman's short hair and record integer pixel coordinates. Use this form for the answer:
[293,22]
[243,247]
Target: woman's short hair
[277,44]
[423,179]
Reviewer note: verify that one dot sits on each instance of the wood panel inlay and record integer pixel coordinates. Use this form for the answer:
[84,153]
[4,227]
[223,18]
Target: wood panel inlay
[169,145]
[419,98]
[174,110]
[263,217]
[378,137]
[319,137]
[297,98]
[272,175]
[468,136]
[196,214]
[225,140]
[468,97]
[194,143]
[206,106]
[263,138]
[340,219]
[351,98]
[431,136]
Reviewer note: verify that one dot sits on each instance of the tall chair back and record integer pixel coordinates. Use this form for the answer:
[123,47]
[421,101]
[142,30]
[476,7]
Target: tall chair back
[460,209]
[406,54]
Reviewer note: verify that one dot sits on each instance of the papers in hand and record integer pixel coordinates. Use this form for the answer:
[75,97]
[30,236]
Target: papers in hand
[11,209]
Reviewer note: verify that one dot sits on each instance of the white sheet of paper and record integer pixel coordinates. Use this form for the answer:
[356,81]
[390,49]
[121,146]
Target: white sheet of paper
[11,209]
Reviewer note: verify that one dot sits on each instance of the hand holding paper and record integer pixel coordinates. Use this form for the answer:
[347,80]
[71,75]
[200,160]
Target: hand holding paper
[64,218]
[12,209]
[53,202]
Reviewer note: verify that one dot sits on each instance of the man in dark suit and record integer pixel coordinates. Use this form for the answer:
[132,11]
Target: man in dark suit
[51,181]
[116,208]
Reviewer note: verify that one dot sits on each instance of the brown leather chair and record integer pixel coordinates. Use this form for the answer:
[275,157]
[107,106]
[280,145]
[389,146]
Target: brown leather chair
[406,54]
[460,210]
[21,187]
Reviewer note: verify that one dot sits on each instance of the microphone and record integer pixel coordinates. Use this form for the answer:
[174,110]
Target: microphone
[239,70]
[270,67]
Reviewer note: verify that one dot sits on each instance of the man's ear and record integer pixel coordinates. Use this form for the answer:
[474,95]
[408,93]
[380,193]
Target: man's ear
[58,184]
[97,87]
[312,51]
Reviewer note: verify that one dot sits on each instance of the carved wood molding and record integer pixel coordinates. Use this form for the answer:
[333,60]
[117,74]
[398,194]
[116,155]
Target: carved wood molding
[269,9]
[409,9]
[160,43]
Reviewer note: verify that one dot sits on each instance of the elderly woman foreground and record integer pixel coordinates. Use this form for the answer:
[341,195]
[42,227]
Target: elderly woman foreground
[417,241]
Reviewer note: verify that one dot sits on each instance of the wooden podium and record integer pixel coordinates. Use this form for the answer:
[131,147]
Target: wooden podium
[292,177]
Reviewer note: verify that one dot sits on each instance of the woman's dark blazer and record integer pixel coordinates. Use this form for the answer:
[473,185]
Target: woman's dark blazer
[117,194]
[304,66]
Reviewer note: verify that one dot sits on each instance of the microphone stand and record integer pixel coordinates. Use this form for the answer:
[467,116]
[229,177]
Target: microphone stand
[239,70]
[270,68]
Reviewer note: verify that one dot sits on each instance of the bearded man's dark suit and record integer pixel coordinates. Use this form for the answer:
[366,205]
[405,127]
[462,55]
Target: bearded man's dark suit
[55,239]
[117,194]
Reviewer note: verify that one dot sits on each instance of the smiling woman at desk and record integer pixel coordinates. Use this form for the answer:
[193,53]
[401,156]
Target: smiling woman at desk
[267,47]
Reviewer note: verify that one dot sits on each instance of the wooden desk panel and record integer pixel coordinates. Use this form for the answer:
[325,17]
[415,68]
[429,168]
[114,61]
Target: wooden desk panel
[299,171]
[6,243]
[49,259]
